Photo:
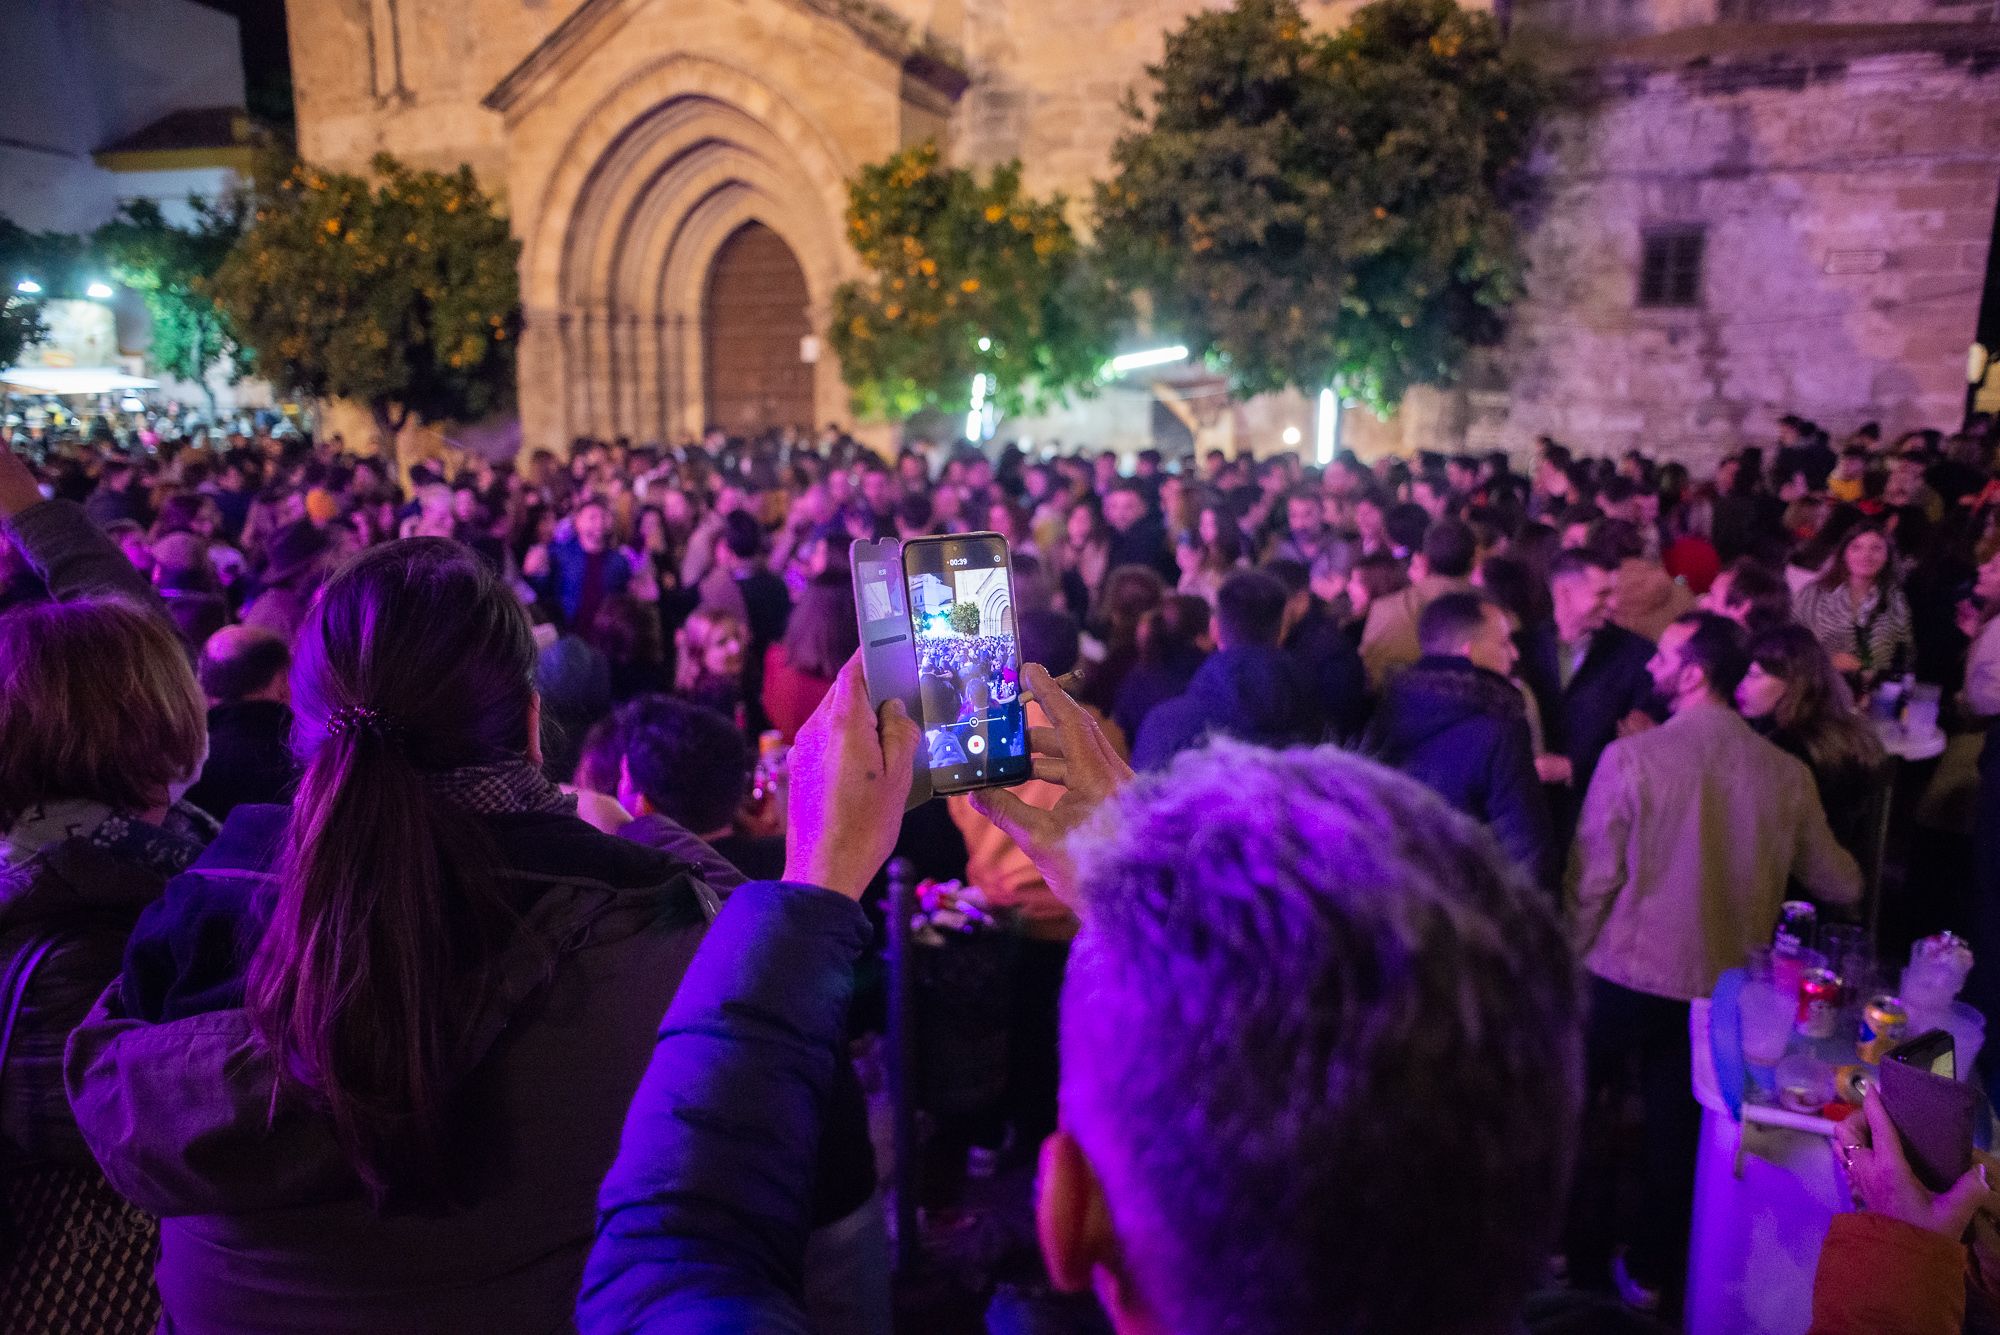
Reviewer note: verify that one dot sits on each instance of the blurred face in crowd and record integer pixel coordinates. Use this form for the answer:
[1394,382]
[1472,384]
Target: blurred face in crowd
[137,550]
[1583,602]
[1078,526]
[1550,480]
[1105,470]
[1760,692]
[1492,647]
[1906,481]
[1986,587]
[1369,521]
[1303,514]
[724,655]
[1867,554]
[1122,509]
[464,505]
[1671,677]
[877,490]
[1575,536]
[593,527]
[1208,527]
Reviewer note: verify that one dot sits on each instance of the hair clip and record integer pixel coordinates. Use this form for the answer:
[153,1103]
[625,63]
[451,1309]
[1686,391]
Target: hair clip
[361,718]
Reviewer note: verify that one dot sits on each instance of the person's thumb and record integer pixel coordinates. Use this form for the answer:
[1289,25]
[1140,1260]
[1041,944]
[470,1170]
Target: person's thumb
[1007,811]
[900,739]
[1965,1198]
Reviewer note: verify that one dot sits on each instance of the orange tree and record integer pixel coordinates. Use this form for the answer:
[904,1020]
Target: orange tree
[964,277]
[399,293]
[1314,208]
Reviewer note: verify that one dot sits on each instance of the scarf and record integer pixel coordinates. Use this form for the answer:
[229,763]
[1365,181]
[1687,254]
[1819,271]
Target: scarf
[505,787]
[166,849]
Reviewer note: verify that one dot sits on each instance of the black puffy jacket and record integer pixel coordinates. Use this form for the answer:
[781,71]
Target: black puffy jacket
[1463,731]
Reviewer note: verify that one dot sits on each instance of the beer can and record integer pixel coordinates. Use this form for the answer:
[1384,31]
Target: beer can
[1797,922]
[1850,1083]
[1819,1003]
[1884,1023]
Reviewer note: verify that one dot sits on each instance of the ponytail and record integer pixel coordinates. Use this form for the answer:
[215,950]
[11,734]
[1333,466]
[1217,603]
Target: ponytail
[389,912]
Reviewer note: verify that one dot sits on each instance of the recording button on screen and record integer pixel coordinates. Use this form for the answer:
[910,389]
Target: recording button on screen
[975,744]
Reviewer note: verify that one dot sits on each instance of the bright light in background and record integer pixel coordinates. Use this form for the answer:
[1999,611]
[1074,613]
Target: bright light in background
[1291,435]
[1326,430]
[98,292]
[28,285]
[986,345]
[131,404]
[1132,361]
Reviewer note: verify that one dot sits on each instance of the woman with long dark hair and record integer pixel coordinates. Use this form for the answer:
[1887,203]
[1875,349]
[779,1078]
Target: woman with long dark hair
[368,1059]
[1793,695]
[1857,609]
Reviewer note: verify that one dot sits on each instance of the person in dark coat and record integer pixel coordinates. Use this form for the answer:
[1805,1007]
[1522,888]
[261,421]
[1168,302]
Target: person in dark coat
[1138,536]
[1589,677]
[1249,688]
[244,675]
[1456,722]
[369,1058]
[1323,649]
[103,727]
[1173,644]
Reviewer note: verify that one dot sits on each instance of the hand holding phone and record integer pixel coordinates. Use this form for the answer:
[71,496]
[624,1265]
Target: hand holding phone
[1072,752]
[1881,1180]
[849,770]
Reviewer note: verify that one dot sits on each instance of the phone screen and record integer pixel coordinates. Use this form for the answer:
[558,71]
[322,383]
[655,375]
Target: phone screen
[961,600]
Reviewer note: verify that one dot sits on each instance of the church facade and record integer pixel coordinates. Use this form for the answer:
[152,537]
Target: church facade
[1753,207]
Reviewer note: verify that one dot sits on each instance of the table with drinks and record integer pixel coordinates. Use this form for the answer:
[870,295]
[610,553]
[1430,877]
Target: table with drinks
[1784,1050]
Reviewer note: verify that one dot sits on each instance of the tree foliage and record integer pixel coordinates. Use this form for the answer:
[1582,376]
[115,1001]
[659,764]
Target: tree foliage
[399,293]
[53,262]
[1315,208]
[954,261]
[171,269]
[965,618]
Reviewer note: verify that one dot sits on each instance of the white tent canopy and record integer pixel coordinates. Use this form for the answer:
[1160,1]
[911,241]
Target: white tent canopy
[71,380]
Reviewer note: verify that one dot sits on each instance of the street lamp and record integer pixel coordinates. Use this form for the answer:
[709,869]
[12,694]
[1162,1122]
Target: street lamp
[99,291]
[28,287]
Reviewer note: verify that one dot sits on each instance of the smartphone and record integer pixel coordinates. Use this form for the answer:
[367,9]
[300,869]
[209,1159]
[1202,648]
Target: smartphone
[961,608]
[1932,1109]
[888,648]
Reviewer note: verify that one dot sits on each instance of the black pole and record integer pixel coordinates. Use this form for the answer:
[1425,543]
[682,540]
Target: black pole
[902,1060]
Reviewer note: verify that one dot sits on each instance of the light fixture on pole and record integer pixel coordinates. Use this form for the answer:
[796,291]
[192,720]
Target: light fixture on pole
[1133,361]
[1326,430]
[27,287]
[99,291]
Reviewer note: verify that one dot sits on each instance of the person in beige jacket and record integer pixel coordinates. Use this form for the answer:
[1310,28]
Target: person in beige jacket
[1688,836]
[1444,565]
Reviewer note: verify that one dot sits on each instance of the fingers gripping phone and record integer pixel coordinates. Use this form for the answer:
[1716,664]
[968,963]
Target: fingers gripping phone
[888,646]
[1932,1109]
[960,593]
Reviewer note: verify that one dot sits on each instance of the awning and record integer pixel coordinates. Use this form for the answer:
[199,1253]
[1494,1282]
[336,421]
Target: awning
[71,380]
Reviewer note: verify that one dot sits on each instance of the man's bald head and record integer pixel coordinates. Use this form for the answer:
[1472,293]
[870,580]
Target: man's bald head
[245,663]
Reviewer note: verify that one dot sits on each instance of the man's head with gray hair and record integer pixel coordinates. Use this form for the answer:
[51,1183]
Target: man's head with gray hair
[1321,1057]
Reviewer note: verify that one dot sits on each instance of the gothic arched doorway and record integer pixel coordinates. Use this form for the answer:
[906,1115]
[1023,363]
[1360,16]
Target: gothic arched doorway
[754,317]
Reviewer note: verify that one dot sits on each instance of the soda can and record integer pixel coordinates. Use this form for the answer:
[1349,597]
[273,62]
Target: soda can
[1884,1023]
[1797,922]
[1850,1084]
[1819,1003]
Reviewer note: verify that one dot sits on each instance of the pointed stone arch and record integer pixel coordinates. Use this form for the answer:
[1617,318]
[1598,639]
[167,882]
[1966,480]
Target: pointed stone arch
[617,248]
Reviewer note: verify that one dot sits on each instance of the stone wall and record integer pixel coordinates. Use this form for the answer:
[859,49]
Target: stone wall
[1848,206]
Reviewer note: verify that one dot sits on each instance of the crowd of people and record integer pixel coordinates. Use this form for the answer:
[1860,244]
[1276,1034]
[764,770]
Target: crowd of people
[357,831]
